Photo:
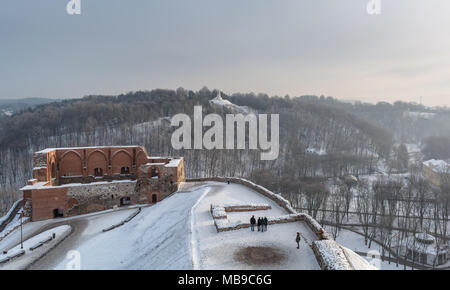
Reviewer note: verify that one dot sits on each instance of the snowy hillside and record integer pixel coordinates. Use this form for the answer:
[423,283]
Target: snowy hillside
[219,102]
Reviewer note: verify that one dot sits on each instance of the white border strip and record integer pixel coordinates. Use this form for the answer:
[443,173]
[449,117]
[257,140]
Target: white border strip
[194,240]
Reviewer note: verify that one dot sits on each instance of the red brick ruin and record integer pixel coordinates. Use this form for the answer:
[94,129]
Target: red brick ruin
[73,181]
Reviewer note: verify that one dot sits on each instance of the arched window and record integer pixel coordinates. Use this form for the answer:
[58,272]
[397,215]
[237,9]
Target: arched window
[154,172]
[125,201]
[58,213]
[98,172]
[53,170]
[125,170]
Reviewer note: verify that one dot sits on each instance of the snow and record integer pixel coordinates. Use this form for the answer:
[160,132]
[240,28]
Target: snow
[42,243]
[9,211]
[179,233]
[439,166]
[421,115]
[218,212]
[157,238]
[7,113]
[332,255]
[109,216]
[12,225]
[48,150]
[316,151]
[355,242]
[220,102]
[356,261]
[218,250]
[175,162]
[425,237]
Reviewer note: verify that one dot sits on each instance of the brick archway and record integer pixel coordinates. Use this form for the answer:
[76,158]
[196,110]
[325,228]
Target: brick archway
[70,164]
[95,161]
[121,159]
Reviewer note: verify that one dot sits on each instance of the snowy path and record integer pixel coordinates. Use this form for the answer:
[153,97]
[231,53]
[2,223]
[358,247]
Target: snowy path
[240,249]
[157,238]
[34,248]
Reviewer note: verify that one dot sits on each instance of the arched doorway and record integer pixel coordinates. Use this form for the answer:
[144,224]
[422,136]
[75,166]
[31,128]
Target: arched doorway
[125,201]
[154,198]
[58,213]
[154,172]
[98,172]
[53,170]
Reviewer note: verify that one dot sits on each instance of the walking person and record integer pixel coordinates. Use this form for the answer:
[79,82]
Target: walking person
[259,224]
[297,239]
[252,223]
[262,224]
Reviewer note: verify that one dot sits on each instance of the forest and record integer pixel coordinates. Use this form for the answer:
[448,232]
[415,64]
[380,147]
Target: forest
[322,141]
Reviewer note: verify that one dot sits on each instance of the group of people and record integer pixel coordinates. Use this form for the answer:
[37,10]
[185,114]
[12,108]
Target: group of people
[261,223]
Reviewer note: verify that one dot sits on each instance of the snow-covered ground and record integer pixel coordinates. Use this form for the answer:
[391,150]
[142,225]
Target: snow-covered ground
[13,224]
[179,233]
[6,112]
[157,238]
[244,249]
[34,248]
[355,242]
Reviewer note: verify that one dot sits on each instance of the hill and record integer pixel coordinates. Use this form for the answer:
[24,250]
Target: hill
[346,143]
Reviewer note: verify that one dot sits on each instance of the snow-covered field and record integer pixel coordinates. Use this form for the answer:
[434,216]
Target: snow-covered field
[355,242]
[239,249]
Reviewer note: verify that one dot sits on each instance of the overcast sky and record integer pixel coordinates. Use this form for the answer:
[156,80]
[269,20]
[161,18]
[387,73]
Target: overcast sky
[279,47]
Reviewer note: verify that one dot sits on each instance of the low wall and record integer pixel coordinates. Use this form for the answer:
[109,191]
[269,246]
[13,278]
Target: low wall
[330,255]
[91,179]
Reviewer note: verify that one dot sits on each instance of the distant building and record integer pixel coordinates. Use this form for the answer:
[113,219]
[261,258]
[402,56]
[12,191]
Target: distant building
[422,248]
[435,170]
[73,181]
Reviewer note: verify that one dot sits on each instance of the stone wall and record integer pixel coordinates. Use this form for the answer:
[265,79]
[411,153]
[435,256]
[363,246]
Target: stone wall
[40,160]
[330,255]
[94,197]
[91,179]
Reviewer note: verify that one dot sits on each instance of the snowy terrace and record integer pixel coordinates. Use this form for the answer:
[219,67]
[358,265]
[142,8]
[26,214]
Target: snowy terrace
[244,249]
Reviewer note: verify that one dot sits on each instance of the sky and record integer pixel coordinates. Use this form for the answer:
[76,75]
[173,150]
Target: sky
[295,47]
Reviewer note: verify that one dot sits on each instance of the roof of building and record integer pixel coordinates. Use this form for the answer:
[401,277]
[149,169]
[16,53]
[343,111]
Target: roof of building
[172,162]
[440,166]
[47,150]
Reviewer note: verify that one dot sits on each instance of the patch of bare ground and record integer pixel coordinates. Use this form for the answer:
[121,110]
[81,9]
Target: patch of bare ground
[259,255]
